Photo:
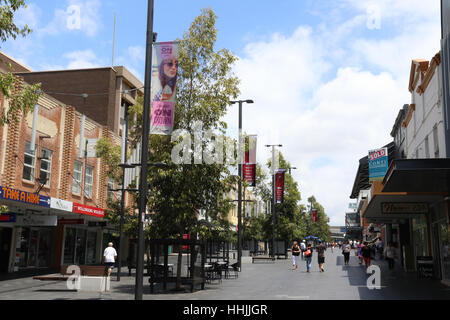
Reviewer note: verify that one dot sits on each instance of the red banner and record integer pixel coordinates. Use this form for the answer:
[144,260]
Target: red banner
[250,174]
[314,215]
[279,186]
[89,211]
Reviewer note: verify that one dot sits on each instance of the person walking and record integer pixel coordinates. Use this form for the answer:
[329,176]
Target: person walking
[308,257]
[380,248]
[109,257]
[358,252]
[321,255]
[295,253]
[366,254]
[346,252]
[303,249]
[390,254]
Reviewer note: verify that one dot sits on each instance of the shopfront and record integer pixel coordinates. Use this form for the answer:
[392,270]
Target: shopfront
[430,231]
[5,248]
[80,246]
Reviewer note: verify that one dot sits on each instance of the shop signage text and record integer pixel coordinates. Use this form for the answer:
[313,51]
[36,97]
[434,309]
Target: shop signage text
[404,207]
[24,197]
[11,217]
[37,221]
[61,204]
[70,221]
[90,211]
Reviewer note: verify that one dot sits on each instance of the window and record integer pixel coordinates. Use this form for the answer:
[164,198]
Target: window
[29,163]
[110,187]
[436,142]
[46,167]
[88,181]
[427,148]
[76,185]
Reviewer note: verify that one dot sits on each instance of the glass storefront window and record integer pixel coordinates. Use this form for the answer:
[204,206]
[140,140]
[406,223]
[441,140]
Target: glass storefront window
[445,238]
[69,246]
[91,247]
[420,236]
[80,246]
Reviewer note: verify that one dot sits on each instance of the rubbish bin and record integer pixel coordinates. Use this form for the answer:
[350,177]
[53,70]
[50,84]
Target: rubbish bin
[170,249]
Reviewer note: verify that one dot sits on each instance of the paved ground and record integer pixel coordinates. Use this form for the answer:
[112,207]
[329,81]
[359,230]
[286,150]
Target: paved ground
[259,281]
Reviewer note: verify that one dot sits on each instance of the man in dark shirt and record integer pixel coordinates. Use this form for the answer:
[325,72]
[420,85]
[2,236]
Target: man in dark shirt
[321,255]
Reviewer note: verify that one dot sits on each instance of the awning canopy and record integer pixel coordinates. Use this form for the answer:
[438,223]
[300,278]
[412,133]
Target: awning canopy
[418,175]
[391,208]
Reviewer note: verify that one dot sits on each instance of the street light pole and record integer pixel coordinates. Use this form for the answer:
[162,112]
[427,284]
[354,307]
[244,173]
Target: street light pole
[239,238]
[122,204]
[144,154]
[273,194]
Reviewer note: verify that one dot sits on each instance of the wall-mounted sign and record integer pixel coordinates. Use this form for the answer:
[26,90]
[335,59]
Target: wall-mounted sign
[70,221]
[10,217]
[90,211]
[61,205]
[404,208]
[24,197]
[91,152]
[378,164]
[37,221]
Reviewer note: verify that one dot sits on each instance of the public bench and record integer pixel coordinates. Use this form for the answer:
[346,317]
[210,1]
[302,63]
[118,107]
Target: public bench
[87,271]
[262,258]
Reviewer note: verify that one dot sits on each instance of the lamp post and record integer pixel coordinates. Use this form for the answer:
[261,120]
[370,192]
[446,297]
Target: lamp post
[144,154]
[273,194]
[239,240]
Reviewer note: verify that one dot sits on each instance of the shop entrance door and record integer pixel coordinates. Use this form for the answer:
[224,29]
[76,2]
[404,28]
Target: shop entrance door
[5,245]
[35,249]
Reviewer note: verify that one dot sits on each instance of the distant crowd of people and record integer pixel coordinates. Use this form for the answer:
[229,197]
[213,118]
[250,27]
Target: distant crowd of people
[365,251]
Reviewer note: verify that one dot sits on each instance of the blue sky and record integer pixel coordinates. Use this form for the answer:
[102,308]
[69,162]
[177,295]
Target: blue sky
[328,77]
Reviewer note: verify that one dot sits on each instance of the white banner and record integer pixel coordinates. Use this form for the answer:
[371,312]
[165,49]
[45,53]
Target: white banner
[37,221]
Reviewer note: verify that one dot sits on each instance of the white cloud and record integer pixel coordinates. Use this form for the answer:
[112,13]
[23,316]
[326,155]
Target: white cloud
[331,94]
[77,16]
[82,59]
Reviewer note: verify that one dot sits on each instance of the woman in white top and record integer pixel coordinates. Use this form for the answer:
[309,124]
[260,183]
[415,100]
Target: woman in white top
[346,252]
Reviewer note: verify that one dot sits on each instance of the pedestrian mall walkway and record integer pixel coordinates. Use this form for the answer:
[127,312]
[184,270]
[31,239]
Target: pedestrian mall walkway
[258,281]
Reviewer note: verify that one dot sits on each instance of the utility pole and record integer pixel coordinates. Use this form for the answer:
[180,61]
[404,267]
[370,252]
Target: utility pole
[144,154]
[239,237]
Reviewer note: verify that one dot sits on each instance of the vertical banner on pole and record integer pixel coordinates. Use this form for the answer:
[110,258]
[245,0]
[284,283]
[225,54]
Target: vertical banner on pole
[164,85]
[249,167]
[314,215]
[279,185]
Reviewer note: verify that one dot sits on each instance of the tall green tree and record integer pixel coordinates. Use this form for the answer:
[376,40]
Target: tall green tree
[20,98]
[206,84]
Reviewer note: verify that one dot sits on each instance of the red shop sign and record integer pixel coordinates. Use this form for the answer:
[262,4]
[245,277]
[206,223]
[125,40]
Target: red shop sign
[90,211]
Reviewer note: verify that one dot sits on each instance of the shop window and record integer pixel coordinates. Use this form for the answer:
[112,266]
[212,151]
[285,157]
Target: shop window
[77,170]
[88,181]
[46,167]
[80,246]
[420,236]
[91,247]
[110,188]
[29,163]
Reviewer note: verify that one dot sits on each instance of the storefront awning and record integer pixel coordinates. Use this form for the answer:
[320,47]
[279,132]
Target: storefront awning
[391,207]
[418,175]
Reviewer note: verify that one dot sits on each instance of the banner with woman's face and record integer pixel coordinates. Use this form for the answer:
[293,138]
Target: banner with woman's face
[164,83]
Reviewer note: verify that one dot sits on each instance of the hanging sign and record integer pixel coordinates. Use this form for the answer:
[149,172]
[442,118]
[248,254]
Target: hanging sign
[24,197]
[249,167]
[164,84]
[378,164]
[314,215]
[279,185]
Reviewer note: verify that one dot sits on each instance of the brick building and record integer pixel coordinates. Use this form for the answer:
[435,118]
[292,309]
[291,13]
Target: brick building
[98,93]
[53,201]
